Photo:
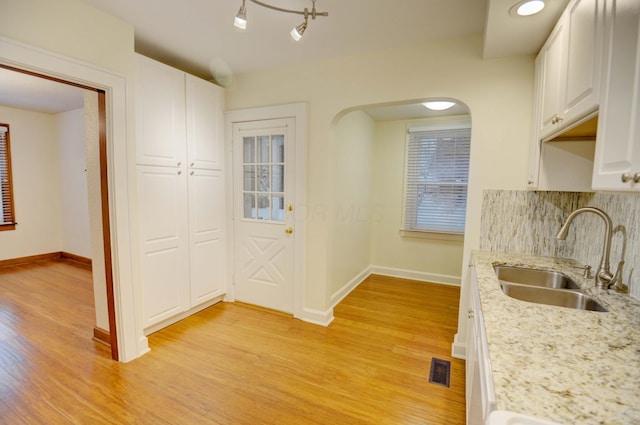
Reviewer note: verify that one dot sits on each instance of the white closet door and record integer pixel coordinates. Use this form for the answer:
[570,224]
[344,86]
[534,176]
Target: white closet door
[160,114]
[163,232]
[205,103]
[206,235]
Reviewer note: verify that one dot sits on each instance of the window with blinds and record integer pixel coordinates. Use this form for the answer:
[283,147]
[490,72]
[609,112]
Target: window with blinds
[436,177]
[7,218]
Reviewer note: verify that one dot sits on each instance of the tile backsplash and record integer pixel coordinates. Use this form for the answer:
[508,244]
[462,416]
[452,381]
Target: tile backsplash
[527,222]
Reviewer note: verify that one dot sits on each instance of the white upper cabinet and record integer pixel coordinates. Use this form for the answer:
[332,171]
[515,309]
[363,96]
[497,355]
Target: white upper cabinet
[569,68]
[584,59]
[179,118]
[549,65]
[160,114]
[617,157]
[204,124]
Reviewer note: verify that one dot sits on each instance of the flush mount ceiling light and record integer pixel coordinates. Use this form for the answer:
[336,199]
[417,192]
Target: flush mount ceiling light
[439,105]
[526,8]
[297,31]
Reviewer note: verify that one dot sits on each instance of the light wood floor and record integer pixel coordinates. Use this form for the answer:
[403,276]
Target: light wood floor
[230,364]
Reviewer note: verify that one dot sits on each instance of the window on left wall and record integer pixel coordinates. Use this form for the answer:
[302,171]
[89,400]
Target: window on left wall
[7,212]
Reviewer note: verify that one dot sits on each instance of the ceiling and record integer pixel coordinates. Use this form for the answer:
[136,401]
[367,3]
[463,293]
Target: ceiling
[198,36]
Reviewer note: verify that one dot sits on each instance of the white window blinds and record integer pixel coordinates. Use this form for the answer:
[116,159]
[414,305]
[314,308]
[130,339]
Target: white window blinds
[436,177]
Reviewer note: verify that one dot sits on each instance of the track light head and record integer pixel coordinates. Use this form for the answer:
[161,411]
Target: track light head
[241,18]
[297,32]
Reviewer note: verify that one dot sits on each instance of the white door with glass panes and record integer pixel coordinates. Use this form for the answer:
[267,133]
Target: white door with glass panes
[264,232]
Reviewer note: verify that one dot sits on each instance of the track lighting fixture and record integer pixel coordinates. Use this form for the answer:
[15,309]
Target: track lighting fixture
[297,32]
[241,17]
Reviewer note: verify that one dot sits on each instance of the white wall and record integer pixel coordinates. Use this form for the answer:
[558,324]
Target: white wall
[36,190]
[76,30]
[71,28]
[50,190]
[435,259]
[351,174]
[498,92]
[74,223]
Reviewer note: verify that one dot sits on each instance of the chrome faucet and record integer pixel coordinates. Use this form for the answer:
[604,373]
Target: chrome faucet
[604,277]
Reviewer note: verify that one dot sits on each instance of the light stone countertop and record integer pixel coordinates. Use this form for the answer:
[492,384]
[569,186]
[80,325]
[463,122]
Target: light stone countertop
[566,365]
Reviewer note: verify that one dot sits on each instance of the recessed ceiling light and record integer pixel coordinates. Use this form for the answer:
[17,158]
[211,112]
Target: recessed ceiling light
[527,8]
[439,105]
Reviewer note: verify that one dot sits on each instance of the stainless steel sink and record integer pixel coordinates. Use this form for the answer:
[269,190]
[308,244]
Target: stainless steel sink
[557,297]
[544,287]
[525,276]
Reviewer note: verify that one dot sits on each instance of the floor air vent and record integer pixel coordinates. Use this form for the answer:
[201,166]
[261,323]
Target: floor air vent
[440,371]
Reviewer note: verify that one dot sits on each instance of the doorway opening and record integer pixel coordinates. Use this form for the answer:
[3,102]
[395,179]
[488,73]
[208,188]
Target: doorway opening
[100,143]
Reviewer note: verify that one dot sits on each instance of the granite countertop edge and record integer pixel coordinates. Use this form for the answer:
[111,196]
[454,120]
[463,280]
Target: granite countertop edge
[566,365]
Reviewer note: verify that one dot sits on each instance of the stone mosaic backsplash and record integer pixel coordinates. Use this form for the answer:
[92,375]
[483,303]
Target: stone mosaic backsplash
[526,222]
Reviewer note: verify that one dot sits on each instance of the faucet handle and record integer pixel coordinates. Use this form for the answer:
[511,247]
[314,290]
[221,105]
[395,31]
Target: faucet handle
[587,272]
[616,281]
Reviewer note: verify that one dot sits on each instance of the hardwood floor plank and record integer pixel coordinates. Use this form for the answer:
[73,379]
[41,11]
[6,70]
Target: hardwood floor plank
[229,364]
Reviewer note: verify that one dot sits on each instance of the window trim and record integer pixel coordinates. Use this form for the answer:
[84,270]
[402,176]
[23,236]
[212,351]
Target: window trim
[7,185]
[433,124]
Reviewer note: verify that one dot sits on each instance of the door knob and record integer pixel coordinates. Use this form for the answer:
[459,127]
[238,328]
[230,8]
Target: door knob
[288,230]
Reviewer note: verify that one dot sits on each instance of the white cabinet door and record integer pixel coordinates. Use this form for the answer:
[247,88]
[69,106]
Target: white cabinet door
[480,392]
[473,387]
[584,59]
[160,114]
[206,235]
[162,207]
[570,68]
[618,141]
[551,78]
[205,103]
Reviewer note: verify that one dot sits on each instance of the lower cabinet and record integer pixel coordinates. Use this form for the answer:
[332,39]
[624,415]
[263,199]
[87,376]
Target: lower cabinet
[182,260]
[480,394]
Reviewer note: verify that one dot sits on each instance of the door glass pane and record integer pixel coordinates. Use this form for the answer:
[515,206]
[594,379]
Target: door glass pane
[277,178]
[249,205]
[249,149]
[263,176]
[277,146]
[250,178]
[263,149]
[263,207]
[277,208]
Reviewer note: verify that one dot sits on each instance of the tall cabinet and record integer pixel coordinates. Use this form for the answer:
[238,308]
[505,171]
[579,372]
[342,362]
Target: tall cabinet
[180,183]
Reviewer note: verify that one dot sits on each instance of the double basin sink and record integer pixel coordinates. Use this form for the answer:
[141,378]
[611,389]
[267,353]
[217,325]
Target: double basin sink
[544,287]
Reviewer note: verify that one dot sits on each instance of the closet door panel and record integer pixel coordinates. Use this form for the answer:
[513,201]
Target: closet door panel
[163,233]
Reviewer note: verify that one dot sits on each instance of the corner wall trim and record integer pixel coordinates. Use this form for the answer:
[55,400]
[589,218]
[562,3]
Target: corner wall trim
[416,275]
[317,317]
[458,349]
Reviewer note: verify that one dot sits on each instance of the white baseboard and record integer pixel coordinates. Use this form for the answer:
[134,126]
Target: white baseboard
[349,286]
[317,317]
[416,275]
[458,349]
[170,321]
[143,346]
